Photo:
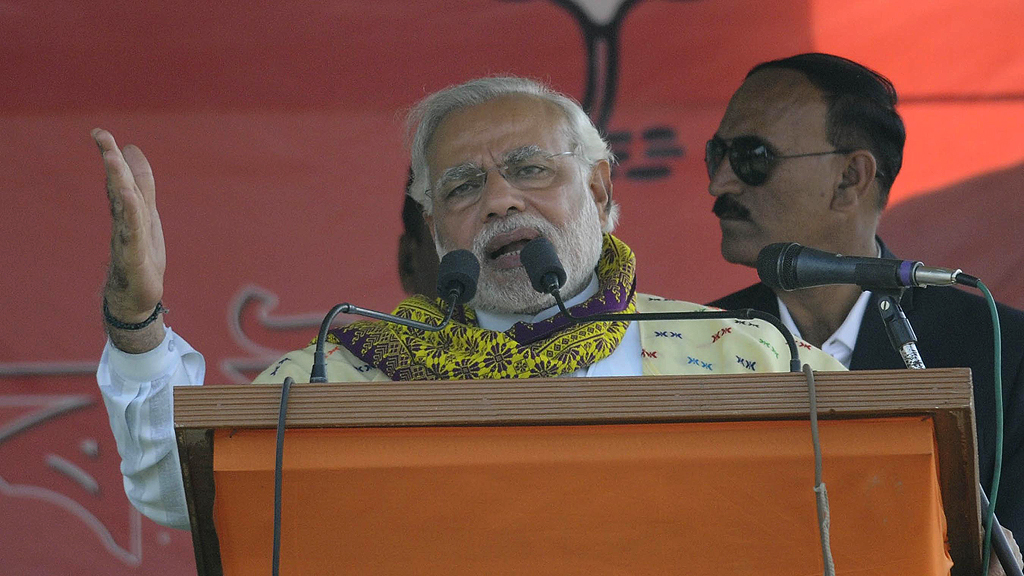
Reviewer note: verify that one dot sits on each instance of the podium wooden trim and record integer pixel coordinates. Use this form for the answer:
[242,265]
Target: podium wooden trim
[945,395]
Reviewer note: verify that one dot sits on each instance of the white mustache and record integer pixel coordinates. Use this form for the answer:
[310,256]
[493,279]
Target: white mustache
[510,224]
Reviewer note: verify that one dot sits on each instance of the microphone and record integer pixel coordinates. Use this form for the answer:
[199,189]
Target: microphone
[547,276]
[790,266]
[456,281]
[457,274]
[542,265]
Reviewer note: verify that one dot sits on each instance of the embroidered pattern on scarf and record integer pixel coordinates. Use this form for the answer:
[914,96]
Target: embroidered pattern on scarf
[463,350]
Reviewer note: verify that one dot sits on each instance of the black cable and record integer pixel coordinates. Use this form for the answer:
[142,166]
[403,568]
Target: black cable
[285,390]
[741,314]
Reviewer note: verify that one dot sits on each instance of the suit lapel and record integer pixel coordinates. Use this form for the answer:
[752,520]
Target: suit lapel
[873,350]
[765,300]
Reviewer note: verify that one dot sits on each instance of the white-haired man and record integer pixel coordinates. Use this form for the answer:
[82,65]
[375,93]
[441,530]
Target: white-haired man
[496,162]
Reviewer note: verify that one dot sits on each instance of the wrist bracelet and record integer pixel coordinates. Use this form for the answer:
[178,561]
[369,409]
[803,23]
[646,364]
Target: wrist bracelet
[137,326]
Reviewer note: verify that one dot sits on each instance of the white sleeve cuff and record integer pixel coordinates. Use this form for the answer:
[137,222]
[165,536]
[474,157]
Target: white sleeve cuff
[153,364]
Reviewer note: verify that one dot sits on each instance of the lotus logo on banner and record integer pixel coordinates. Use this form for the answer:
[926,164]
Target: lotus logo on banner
[601,21]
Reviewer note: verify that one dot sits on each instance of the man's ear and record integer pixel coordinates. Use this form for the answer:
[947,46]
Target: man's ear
[429,219]
[601,189]
[856,183]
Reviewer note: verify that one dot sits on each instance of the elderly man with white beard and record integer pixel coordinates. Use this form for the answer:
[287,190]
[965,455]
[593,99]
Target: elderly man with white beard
[496,162]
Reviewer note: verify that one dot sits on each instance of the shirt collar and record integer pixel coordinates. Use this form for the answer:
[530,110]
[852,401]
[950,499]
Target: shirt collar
[840,344]
[499,322]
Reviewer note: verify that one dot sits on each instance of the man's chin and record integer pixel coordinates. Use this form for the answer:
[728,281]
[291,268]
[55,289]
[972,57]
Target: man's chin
[509,292]
[743,253]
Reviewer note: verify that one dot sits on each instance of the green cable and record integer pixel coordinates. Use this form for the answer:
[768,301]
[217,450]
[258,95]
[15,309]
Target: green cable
[998,466]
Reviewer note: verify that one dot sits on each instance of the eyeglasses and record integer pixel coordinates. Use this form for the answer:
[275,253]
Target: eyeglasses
[526,168]
[750,158]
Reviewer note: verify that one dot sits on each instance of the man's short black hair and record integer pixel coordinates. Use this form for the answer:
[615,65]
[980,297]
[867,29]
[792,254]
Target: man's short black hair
[412,219]
[412,214]
[861,109]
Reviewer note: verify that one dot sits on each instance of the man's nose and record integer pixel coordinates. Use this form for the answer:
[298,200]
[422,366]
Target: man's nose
[500,197]
[724,181]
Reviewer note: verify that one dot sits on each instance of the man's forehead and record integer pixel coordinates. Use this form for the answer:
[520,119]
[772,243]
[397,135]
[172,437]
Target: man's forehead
[780,105]
[495,128]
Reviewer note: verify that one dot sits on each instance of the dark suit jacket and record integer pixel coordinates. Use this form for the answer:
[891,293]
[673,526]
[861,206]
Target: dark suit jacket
[954,329]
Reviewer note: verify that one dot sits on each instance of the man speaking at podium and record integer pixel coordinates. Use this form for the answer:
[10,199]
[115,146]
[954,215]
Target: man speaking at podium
[496,163]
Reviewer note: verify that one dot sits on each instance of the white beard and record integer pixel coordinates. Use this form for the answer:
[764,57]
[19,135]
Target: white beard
[509,291]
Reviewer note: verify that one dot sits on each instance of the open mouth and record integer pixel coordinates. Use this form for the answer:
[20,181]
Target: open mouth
[504,249]
[510,248]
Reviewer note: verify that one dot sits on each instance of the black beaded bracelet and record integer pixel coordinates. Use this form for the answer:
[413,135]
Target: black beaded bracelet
[138,325]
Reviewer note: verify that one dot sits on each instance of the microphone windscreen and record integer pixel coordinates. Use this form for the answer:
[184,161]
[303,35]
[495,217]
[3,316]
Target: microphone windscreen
[775,264]
[540,260]
[458,270]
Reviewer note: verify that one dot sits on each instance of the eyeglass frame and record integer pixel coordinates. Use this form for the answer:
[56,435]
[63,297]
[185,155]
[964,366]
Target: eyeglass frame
[501,169]
[770,157]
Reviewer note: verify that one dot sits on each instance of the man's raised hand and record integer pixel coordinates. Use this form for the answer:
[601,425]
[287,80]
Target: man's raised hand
[137,258]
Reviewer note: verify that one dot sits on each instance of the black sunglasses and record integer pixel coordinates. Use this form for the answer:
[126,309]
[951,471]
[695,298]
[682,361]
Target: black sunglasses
[750,158]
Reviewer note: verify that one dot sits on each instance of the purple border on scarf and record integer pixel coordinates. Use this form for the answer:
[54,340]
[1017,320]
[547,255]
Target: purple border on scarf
[526,333]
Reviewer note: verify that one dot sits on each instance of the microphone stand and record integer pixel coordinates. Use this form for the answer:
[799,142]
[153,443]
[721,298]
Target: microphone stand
[901,335]
[318,374]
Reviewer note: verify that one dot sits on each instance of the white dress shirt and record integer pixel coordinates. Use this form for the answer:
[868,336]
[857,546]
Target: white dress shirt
[840,344]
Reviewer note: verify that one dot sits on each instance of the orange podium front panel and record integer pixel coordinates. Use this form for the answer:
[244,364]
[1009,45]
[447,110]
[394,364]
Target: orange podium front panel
[672,498]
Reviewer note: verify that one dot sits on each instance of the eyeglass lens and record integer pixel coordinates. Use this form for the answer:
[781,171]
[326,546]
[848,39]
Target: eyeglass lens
[463,185]
[749,157]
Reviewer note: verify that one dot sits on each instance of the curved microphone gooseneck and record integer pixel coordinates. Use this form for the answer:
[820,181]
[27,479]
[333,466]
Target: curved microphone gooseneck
[547,276]
[456,280]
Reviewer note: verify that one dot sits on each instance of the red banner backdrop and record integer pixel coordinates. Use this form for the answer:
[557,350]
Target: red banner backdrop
[275,133]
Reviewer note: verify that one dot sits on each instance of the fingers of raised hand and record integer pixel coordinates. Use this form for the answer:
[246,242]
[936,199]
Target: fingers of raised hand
[119,179]
[127,205]
[141,172]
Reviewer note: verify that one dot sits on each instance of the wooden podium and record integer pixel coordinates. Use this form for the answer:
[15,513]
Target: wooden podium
[656,475]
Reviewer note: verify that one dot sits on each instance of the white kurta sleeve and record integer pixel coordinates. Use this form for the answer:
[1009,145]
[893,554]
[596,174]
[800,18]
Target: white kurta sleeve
[136,390]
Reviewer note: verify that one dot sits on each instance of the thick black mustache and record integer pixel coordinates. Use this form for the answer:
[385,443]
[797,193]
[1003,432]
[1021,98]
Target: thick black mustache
[727,207]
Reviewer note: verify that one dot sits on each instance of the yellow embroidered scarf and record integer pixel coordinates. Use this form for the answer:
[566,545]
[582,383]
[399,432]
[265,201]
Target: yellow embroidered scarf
[463,351]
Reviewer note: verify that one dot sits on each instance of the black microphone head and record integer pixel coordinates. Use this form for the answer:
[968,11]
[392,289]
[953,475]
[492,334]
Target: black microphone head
[542,265]
[775,265]
[459,271]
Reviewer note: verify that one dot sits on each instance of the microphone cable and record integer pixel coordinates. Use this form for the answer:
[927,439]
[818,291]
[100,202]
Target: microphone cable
[777,268]
[997,467]
[278,459]
[820,493]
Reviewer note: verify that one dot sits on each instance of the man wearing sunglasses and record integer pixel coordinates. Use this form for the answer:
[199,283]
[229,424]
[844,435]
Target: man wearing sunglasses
[806,152]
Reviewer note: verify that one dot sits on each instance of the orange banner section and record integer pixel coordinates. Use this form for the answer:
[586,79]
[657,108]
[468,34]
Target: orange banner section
[707,498]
